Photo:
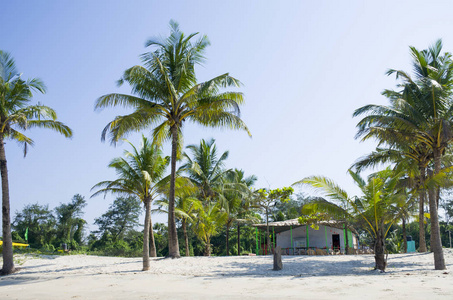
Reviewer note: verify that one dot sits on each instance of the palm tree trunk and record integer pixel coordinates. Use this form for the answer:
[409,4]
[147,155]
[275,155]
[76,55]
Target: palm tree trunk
[208,247]
[227,239]
[152,243]
[239,239]
[8,262]
[186,237]
[404,236]
[421,212]
[436,243]
[147,203]
[173,244]
[379,250]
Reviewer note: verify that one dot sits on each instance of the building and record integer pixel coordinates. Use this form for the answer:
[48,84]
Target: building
[296,238]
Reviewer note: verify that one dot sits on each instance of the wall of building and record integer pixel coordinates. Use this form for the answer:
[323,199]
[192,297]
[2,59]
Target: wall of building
[316,238]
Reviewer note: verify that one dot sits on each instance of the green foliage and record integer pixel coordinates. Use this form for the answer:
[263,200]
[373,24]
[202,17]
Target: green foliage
[121,217]
[68,219]
[394,242]
[40,223]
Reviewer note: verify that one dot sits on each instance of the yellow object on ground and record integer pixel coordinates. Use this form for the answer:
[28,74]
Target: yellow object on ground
[19,245]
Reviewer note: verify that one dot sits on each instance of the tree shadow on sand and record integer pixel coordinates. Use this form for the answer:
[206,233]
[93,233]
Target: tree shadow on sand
[304,266]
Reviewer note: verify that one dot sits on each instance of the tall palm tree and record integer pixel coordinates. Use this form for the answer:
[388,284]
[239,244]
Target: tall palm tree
[17,114]
[140,173]
[167,94]
[423,110]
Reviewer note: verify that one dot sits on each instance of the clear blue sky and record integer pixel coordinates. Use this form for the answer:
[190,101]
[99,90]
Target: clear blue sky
[305,65]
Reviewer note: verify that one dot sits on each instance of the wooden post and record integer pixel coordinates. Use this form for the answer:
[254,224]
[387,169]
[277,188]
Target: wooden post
[278,265]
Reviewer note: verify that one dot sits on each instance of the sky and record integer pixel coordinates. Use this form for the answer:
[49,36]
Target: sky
[305,67]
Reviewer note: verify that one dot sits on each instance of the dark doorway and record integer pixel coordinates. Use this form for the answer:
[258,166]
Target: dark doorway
[336,241]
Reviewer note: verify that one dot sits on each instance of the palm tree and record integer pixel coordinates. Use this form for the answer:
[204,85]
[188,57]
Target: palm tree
[376,207]
[234,198]
[423,111]
[415,157]
[140,173]
[205,169]
[185,210]
[17,114]
[208,223]
[167,95]
[243,214]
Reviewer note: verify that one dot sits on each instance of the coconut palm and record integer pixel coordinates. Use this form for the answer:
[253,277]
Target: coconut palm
[244,214]
[423,111]
[235,197]
[16,115]
[206,169]
[186,210]
[166,94]
[415,157]
[376,206]
[230,197]
[208,223]
[141,174]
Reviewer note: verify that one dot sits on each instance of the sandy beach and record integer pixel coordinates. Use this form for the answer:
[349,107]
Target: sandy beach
[409,276]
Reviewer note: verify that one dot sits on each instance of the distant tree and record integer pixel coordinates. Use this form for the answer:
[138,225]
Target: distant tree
[268,198]
[121,216]
[233,197]
[168,95]
[39,221]
[208,223]
[16,115]
[206,169]
[186,210]
[68,218]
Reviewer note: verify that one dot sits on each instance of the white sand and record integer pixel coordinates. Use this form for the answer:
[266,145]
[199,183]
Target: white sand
[409,276]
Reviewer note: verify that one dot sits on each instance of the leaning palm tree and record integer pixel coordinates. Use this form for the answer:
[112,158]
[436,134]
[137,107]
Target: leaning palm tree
[415,157]
[166,94]
[141,174]
[17,114]
[376,206]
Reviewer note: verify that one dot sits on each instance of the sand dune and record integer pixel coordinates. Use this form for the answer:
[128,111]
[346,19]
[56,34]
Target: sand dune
[409,276]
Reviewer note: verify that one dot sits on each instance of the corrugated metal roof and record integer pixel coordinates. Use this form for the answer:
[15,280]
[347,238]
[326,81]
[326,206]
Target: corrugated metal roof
[295,222]
[285,225]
